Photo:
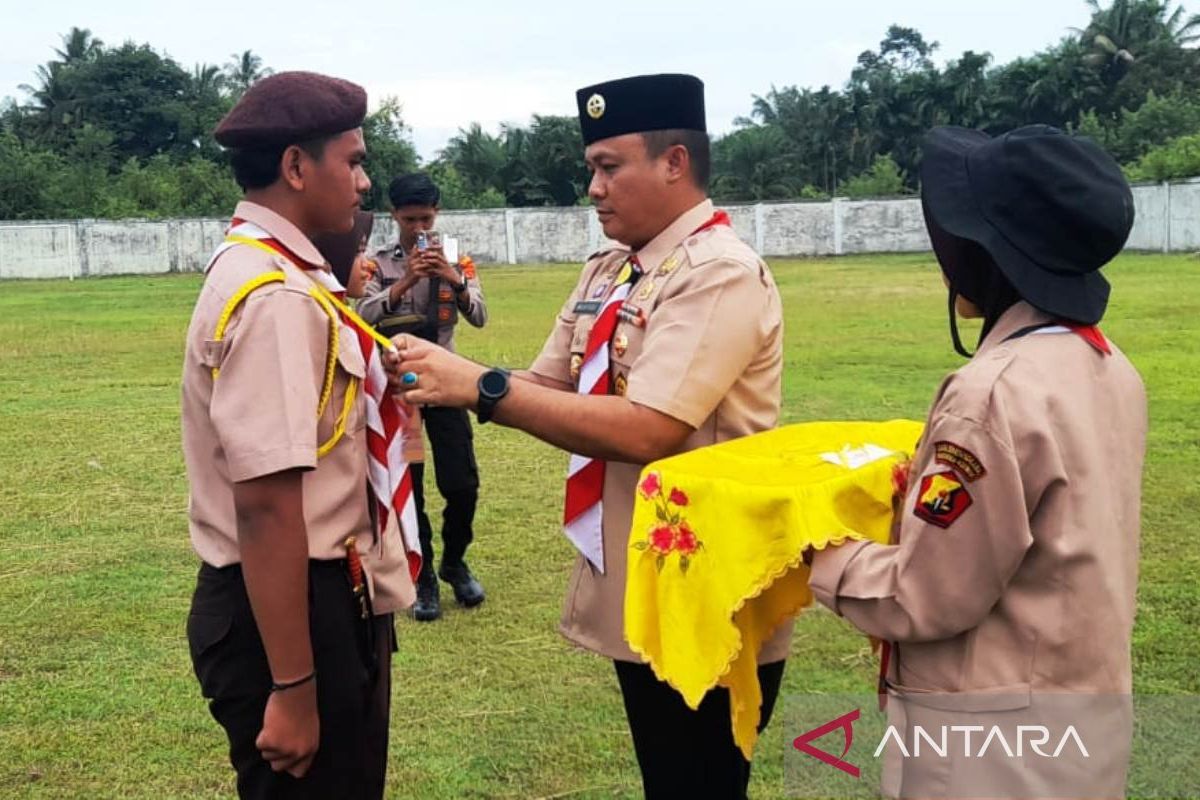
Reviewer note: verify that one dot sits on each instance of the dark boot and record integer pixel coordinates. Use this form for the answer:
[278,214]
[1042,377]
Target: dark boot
[467,590]
[428,606]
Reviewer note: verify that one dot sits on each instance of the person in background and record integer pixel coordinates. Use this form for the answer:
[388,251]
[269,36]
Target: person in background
[417,291]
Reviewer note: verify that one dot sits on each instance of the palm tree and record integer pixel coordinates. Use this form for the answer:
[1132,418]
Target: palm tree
[755,163]
[207,80]
[477,156]
[244,70]
[79,45]
[1128,29]
[54,100]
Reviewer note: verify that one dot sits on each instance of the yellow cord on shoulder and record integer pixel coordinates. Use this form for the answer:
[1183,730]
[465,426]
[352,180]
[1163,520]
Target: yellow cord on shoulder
[266,248]
[235,301]
[339,427]
[335,326]
[331,305]
[358,321]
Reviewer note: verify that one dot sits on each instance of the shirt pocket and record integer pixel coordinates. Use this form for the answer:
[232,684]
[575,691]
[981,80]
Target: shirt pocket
[352,368]
[625,346]
[212,352]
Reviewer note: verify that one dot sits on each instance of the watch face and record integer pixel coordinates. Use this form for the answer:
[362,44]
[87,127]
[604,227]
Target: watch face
[493,383]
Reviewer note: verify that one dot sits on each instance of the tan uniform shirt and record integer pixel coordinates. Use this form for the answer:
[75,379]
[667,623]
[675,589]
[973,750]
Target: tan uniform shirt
[442,309]
[259,415]
[702,343]
[1016,568]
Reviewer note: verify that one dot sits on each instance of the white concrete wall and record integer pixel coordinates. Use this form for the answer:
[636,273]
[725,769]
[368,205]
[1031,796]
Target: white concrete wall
[39,250]
[1168,220]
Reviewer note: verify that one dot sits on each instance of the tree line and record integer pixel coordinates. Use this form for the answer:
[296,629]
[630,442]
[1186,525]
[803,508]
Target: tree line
[125,131]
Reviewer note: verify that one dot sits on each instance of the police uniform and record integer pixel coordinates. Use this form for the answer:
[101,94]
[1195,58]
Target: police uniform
[1015,574]
[699,338]
[431,309]
[254,369]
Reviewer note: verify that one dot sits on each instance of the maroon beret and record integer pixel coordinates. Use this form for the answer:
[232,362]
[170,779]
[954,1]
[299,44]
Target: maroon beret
[292,107]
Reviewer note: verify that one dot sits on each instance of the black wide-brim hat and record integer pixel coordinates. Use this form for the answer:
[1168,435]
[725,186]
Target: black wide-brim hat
[1050,209]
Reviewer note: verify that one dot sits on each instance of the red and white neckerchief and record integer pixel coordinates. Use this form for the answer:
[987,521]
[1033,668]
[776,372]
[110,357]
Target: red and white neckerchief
[387,472]
[583,513]
[1089,333]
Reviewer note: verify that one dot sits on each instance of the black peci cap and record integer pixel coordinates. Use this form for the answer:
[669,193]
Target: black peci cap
[640,104]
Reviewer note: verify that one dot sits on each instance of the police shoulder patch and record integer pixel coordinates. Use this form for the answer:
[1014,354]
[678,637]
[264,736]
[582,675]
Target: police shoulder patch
[942,498]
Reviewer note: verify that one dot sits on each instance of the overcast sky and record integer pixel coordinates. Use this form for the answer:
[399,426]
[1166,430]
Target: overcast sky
[458,61]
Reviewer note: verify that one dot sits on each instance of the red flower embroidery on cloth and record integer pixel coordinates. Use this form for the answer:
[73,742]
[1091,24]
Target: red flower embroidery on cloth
[671,533]
[650,486]
[685,540]
[662,538]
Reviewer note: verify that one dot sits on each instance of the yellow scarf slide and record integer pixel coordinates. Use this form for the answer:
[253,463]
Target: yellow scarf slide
[716,547]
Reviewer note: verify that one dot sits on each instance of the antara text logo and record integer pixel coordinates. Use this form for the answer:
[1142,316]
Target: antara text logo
[945,741]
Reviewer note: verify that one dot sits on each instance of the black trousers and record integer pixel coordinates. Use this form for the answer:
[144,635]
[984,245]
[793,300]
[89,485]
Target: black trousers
[684,753]
[457,476]
[353,663]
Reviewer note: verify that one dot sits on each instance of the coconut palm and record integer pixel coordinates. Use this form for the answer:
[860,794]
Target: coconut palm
[244,70]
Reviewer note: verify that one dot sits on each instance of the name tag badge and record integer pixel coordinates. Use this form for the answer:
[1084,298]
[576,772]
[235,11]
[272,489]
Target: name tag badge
[588,307]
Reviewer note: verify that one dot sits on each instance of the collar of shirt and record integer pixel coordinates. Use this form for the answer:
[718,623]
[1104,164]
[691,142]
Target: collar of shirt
[656,251]
[1019,315]
[282,231]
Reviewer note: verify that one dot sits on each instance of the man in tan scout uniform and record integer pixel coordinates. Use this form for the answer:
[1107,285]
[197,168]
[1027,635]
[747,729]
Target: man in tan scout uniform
[1009,598]
[669,342]
[417,290]
[275,444]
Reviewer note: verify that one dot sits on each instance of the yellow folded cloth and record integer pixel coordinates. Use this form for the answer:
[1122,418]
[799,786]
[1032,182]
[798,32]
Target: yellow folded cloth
[716,546]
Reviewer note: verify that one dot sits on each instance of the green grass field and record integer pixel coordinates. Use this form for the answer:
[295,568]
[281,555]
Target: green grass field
[97,698]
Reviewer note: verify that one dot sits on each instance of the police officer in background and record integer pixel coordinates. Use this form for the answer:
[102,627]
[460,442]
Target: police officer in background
[416,290]
[294,662]
[671,340]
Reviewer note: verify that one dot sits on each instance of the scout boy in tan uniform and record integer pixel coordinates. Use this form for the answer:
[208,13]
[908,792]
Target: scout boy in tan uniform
[417,290]
[670,341]
[295,667]
[1015,574]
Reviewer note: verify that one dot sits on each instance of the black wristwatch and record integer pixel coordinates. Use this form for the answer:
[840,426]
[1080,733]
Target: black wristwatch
[493,386]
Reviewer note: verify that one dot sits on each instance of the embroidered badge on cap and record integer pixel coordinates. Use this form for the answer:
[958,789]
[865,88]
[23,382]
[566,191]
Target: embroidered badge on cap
[942,500]
[596,106]
[959,459]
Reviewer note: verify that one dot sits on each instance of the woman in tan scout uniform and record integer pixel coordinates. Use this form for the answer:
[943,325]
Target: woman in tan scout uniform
[1015,574]
[670,341]
[275,444]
